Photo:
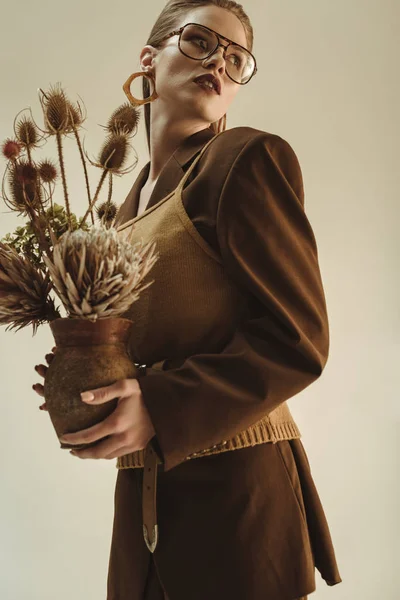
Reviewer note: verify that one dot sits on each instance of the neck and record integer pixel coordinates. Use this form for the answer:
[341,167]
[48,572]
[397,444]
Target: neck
[166,135]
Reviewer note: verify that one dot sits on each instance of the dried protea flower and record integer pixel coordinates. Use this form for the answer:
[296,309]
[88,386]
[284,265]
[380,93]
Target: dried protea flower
[106,212]
[47,171]
[27,132]
[124,119]
[24,292]
[96,274]
[24,186]
[11,149]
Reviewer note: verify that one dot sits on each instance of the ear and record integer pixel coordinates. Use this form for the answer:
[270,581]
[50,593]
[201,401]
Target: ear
[147,57]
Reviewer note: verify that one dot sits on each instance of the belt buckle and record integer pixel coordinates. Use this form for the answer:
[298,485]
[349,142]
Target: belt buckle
[141,368]
[158,366]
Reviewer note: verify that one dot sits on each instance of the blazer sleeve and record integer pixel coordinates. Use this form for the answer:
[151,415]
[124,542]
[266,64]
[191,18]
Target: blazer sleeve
[267,247]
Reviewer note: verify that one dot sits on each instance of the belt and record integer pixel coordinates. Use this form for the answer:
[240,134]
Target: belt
[149,491]
[149,498]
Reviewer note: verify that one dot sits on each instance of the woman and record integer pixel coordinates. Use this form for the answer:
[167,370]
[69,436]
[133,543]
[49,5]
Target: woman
[233,324]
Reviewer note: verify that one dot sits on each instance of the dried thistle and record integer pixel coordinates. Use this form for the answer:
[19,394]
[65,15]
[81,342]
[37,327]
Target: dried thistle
[48,174]
[55,106]
[26,195]
[27,198]
[113,153]
[76,117]
[25,190]
[27,132]
[106,212]
[62,117]
[112,158]
[96,274]
[11,149]
[47,171]
[124,119]
[56,112]
[24,292]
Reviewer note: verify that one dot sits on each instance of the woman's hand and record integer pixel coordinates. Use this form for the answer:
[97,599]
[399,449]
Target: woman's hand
[42,369]
[129,425]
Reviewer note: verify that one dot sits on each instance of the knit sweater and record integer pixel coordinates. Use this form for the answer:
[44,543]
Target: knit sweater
[234,350]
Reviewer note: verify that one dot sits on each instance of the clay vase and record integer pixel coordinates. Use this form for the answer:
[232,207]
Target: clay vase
[89,355]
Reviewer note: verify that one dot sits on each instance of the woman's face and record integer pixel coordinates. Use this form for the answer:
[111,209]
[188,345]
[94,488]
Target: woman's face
[178,96]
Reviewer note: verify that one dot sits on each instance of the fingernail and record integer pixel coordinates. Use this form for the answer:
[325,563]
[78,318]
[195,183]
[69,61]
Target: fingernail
[87,396]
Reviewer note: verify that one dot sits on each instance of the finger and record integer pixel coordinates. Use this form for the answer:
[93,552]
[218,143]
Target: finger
[44,407]
[39,389]
[91,434]
[119,452]
[54,349]
[41,369]
[107,449]
[120,389]
[49,357]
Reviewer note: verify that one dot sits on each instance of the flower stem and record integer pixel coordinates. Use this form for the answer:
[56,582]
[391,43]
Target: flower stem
[78,141]
[41,238]
[63,178]
[37,226]
[102,179]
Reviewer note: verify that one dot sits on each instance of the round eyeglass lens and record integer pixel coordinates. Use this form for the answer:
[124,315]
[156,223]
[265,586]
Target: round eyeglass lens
[198,42]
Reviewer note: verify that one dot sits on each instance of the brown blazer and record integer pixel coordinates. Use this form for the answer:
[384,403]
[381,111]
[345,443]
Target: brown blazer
[249,186]
[245,524]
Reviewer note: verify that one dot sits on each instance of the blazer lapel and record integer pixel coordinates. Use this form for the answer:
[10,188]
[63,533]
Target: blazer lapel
[169,177]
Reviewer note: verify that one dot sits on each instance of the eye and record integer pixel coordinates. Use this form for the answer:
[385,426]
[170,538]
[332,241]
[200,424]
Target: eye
[236,60]
[202,41]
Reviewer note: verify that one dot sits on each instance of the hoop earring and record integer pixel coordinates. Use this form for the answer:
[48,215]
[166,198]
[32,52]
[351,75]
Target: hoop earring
[127,89]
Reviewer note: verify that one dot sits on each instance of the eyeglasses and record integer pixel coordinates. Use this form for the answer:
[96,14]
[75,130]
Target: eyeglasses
[199,42]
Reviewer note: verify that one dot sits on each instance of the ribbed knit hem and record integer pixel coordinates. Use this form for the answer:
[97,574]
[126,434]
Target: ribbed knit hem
[260,433]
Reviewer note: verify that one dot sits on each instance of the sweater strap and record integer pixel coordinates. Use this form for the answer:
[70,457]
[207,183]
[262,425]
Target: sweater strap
[194,163]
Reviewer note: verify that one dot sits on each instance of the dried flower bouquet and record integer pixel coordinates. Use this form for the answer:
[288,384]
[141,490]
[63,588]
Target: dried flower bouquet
[95,274]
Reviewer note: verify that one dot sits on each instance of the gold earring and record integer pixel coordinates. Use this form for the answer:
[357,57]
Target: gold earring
[127,89]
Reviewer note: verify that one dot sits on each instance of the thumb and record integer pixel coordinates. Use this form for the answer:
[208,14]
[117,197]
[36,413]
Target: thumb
[103,394]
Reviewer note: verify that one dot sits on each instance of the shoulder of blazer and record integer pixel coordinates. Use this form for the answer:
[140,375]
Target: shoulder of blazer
[222,159]
[222,153]
[232,141]
[250,141]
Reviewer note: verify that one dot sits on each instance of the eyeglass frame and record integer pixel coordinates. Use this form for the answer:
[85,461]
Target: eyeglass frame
[219,36]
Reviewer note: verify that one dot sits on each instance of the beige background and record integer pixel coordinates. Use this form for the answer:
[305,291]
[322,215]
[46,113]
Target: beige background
[328,84]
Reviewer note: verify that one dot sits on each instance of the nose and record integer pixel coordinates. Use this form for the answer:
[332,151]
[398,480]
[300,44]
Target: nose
[217,59]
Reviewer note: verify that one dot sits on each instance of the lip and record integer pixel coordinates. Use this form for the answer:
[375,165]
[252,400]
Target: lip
[205,88]
[216,81]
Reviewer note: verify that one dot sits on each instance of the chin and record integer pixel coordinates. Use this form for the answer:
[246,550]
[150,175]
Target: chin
[209,116]
[213,119]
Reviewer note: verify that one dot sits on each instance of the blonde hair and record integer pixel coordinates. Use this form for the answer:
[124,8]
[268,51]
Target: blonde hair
[168,20]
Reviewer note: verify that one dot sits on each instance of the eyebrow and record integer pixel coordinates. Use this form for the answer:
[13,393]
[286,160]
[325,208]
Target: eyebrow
[220,34]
